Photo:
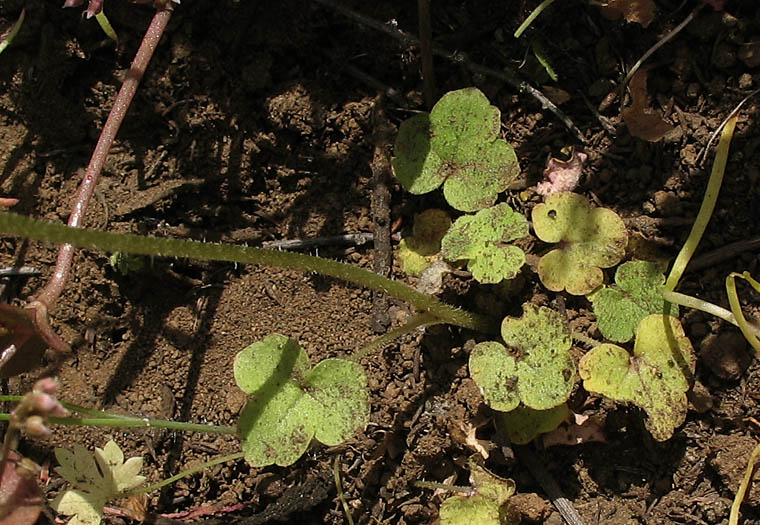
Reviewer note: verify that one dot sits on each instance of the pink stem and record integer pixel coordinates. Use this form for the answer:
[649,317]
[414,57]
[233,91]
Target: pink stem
[49,295]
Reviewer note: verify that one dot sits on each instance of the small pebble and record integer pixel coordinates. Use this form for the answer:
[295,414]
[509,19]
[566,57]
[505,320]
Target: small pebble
[725,354]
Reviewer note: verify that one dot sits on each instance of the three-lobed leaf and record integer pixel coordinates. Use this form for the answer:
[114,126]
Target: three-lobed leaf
[536,370]
[481,240]
[456,146]
[619,310]
[656,377]
[292,403]
[590,239]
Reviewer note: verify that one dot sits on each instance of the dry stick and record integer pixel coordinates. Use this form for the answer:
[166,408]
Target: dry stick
[507,75]
[714,135]
[661,42]
[49,295]
[381,211]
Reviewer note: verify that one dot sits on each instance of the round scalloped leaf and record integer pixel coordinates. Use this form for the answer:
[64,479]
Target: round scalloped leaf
[457,144]
[523,424]
[638,294]
[278,427]
[590,239]
[462,120]
[480,238]
[545,368]
[475,184]
[339,388]
[494,370]
[656,378]
[267,364]
[419,251]
[418,168]
[292,404]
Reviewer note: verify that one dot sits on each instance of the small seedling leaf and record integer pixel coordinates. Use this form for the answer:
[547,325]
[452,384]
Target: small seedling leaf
[97,478]
[590,239]
[481,238]
[523,424]
[419,251]
[418,168]
[456,145]
[656,378]
[538,370]
[292,403]
[340,389]
[494,370]
[619,310]
[487,505]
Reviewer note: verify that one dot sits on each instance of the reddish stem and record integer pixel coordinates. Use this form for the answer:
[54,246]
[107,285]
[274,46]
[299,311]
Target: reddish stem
[49,295]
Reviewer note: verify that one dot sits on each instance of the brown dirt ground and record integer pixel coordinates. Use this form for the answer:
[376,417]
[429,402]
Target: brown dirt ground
[251,127]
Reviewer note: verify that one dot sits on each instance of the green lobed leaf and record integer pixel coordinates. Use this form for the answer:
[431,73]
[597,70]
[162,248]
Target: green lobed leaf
[523,424]
[292,403]
[419,251]
[340,389]
[538,370]
[656,377]
[590,239]
[418,168]
[481,239]
[456,145]
[638,294]
[487,505]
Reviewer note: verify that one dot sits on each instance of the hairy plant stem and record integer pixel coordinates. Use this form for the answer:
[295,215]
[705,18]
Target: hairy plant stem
[418,321]
[106,419]
[12,224]
[49,295]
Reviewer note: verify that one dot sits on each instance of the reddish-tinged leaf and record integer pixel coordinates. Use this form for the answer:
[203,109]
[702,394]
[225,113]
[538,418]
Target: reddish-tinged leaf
[20,496]
[24,336]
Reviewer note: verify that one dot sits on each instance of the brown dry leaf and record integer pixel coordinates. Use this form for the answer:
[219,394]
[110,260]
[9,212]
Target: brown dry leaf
[642,121]
[639,11]
[20,495]
[465,435]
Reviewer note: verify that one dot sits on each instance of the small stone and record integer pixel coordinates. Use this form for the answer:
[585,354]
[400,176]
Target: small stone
[667,204]
[745,81]
[749,53]
[700,398]
[725,354]
[532,507]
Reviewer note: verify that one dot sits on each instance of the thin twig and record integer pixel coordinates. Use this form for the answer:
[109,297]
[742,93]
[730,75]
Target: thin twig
[506,75]
[661,42]
[539,472]
[18,271]
[724,253]
[426,52]
[714,135]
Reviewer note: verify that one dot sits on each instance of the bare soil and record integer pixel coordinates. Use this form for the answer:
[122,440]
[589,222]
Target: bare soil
[253,124]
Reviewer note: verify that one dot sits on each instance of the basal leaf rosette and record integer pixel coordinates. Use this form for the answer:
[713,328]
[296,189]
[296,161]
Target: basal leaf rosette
[589,239]
[481,240]
[291,403]
[638,293]
[535,367]
[456,145]
[419,251]
[656,377]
